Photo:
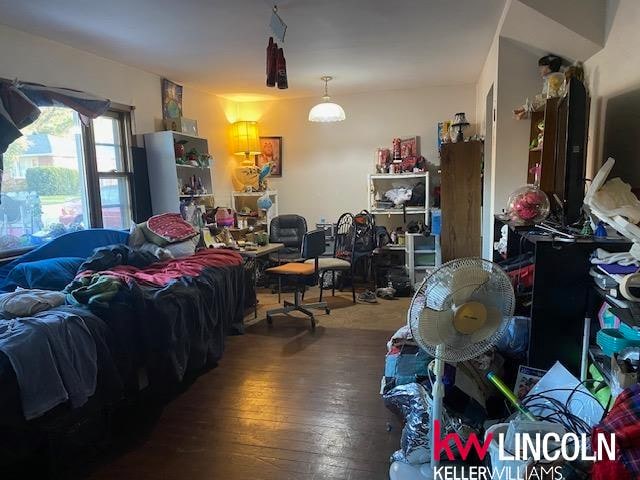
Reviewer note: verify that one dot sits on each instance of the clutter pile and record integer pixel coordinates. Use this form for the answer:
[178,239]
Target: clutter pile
[575,415]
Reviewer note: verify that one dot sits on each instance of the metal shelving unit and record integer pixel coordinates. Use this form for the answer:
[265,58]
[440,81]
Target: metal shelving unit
[382,182]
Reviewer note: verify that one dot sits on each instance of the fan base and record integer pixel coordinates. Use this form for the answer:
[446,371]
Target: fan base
[404,471]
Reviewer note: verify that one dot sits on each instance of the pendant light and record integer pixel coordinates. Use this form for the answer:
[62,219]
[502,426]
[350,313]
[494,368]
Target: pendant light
[326,111]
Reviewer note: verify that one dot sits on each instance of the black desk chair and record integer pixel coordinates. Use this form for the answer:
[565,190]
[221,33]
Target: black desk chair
[313,245]
[287,229]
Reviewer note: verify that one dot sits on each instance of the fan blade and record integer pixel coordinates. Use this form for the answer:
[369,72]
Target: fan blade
[465,281]
[434,327]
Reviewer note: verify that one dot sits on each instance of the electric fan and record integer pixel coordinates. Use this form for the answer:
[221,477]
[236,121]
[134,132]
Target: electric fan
[459,312]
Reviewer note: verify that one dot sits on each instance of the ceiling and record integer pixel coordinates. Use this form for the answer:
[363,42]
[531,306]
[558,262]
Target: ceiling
[219,45]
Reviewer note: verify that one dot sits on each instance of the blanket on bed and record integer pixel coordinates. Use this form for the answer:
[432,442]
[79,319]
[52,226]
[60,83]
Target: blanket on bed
[54,357]
[172,323]
[173,315]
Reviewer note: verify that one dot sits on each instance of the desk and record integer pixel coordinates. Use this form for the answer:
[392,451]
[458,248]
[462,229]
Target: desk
[251,261]
[561,288]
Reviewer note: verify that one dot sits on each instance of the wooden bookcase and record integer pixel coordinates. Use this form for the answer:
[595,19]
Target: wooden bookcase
[546,156]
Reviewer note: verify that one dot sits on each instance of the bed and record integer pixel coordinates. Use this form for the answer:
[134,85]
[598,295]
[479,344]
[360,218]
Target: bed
[153,324]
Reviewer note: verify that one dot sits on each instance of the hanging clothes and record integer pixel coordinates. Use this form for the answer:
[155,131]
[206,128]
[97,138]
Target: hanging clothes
[19,104]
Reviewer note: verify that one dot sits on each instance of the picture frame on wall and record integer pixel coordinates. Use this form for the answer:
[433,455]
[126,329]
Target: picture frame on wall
[171,99]
[410,147]
[271,151]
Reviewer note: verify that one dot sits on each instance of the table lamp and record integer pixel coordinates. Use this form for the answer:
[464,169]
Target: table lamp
[245,141]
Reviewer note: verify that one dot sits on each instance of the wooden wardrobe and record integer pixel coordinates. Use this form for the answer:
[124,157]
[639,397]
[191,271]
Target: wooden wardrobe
[461,199]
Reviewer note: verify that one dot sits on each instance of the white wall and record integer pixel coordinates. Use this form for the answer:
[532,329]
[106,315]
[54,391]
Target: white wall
[487,80]
[518,79]
[511,69]
[325,165]
[613,71]
[36,59]
[582,16]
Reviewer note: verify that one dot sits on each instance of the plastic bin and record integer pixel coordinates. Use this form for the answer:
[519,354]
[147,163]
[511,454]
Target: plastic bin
[436,221]
[629,332]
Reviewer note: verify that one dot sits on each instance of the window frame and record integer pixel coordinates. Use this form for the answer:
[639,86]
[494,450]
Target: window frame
[122,113]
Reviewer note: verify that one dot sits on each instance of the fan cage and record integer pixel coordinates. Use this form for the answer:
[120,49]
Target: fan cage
[436,293]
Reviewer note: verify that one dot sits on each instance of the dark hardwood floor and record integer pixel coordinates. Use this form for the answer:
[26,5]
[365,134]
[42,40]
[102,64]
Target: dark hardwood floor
[283,404]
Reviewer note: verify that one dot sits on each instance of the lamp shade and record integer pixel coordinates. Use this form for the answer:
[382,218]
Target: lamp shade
[326,112]
[244,138]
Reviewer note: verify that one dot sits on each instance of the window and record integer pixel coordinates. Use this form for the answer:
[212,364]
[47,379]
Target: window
[62,176]
[110,134]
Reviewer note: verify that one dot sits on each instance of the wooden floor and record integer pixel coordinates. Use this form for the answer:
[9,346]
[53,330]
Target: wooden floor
[283,404]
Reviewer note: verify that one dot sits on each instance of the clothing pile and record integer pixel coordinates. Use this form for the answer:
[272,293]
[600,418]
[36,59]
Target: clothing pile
[624,422]
[55,352]
[19,104]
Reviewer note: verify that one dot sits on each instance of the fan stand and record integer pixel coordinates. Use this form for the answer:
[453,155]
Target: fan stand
[405,471]
[467,319]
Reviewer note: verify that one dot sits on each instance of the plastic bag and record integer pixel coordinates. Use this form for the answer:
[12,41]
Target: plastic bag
[414,404]
[616,198]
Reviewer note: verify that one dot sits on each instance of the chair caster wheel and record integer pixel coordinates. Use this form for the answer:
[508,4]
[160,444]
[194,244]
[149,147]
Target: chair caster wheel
[327,311]
[269,320]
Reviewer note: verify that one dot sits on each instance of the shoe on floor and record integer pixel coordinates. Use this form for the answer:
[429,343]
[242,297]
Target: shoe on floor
[367,297]
[388,293]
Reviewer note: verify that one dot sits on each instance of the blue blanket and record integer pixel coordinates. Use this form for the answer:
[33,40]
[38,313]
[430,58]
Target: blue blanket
[54,357]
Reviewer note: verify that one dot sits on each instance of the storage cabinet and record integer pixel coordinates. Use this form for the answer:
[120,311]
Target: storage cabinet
[422,255]
[461,199]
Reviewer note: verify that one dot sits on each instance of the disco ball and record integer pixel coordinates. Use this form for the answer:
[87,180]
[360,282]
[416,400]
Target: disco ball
[528,204]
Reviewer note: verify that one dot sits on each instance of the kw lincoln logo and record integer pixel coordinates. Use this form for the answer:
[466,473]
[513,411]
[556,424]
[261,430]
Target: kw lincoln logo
[511,464]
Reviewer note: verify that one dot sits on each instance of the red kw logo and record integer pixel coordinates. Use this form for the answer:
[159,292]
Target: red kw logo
[472,443]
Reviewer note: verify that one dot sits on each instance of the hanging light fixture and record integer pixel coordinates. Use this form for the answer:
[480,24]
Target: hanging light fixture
[326,111]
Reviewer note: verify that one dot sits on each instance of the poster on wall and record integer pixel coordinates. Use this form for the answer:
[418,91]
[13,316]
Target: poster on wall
[410,147]
[271,152]
[171,99]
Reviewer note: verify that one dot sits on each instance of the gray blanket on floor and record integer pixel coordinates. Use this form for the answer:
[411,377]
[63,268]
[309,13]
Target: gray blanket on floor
[54,358]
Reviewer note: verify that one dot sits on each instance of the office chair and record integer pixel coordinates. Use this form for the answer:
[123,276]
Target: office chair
[287,229]
[313,245]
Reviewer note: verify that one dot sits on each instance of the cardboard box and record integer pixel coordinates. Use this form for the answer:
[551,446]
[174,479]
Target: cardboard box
[620,373]
[182,125]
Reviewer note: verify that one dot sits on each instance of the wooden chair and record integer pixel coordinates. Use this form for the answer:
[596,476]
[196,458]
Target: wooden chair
[313,245]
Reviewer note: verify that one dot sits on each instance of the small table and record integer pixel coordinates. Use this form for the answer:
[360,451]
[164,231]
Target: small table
[252,256]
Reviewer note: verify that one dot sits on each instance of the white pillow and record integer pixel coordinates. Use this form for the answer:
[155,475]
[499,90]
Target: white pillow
[183,249]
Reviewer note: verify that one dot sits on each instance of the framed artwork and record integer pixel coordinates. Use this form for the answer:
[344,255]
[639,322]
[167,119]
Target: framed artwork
[410,147]
[171,99]
[271,151]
